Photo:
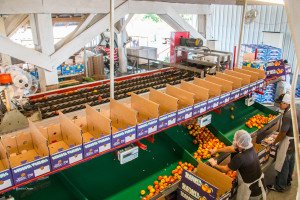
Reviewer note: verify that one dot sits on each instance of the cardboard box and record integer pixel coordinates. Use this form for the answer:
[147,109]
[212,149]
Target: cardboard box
[147,115]
[244,90]
[246,79]
[215,178]
[263,153]
[213,103]
[6,179]
[64,142]
[214,89]
[237,82]
[28,154]
[226,85]
[185,103]
[96,132]
[168,107]
[124,121]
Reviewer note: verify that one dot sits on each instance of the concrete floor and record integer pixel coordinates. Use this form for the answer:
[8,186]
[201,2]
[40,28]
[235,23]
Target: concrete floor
[290,194]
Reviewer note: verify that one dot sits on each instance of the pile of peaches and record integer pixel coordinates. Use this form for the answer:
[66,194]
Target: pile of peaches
[163,182]
[205,140]
[259,121]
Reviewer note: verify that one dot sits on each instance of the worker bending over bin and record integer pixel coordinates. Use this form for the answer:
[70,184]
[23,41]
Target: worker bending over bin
[245,161]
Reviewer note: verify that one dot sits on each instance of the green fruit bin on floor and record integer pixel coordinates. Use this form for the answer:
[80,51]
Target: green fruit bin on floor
[105,178]
[224,127]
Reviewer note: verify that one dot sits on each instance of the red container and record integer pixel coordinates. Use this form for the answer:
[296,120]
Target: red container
[5,79]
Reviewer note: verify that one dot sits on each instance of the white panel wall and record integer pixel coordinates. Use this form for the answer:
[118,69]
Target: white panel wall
[226,21]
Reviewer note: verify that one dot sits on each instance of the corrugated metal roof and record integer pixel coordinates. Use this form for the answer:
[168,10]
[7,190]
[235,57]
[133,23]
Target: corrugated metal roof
[226,20]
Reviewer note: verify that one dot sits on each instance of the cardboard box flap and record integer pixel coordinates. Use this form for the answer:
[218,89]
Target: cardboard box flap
[165,101]
[254,75]
[214,89]
[201,93]
[185,98]
[227,86]
[4,157]
[144,106]
[121,114]
[237,82]
[70,132]
[261,73]
[97,123]
[54,133]
[214,177]
[10,144]
[39,142]
[81,122]
[245,78]
[24,141]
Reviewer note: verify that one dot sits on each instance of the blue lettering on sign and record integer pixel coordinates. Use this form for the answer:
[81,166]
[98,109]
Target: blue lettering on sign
[90,145]
[118,134]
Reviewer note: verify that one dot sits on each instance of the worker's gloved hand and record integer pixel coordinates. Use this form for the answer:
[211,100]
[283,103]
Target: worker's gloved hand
[213,151]
[212,162]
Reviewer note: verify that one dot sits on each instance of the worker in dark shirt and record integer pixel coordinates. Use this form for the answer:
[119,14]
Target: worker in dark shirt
[246,162]
[285,159]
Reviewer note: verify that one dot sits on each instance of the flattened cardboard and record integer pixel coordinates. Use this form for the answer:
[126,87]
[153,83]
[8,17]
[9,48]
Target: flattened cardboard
[237,82]
[201,93]
[261,73]
[32,158]
[227,86]
[98,133]
[6,179]
[148,113]
[168,106]
[214,177]
[124,121]
[254,75]
[214,89]
[245,78]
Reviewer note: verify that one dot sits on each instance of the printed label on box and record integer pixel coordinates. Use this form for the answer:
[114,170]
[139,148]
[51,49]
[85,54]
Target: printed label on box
[213,103]
[199,108]
[167,120]
[182,195]
[6,179]
[235,94]
[31,170]
[66,157]
[197,187]
[275,69]
[252,87]
[244,90]
[184,114]
[123,136]
[97,146]
[260,83]
[225,98]
[146,128]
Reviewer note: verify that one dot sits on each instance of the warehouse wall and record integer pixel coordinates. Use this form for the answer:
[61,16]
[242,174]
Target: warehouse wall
[226,21]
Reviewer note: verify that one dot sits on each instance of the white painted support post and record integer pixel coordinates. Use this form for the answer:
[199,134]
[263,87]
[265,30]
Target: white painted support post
[292,9]
[122,38]
[6,60]
[42,32]
[241,35]
[111,46]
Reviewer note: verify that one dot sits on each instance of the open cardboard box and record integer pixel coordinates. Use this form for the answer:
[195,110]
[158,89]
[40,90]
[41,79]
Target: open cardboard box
[254,78]
[168,107]
[227,88]
[6,179]
[215,91]
[147,115]
[215,178]
[64,142]
[124,121]
[201,96]
[96,132]
[185,103]
[28,154]
[246,80]
[261,73]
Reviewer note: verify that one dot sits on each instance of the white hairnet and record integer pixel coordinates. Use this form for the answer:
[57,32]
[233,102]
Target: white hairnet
[242,139]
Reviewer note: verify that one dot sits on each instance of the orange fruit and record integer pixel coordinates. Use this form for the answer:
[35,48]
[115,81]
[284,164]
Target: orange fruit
[155,182]
[143,192]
